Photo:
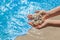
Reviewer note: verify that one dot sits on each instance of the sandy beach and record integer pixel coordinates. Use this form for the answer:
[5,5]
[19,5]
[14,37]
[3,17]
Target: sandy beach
[48,33]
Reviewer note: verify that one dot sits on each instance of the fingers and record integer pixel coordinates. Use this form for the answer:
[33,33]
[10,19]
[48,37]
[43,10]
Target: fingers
[30,17]
[31,23]
[41,25]
[38,26]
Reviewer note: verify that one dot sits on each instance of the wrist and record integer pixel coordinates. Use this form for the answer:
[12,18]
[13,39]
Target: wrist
[50,21]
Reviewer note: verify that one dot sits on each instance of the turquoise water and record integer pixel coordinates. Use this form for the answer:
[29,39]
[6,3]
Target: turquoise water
[13,15]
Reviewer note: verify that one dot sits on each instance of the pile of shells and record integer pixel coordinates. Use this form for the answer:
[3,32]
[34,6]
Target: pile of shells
[37,18]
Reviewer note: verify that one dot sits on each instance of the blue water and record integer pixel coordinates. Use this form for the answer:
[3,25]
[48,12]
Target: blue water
[13,15]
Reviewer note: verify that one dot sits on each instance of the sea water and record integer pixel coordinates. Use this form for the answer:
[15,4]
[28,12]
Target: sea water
[13,15]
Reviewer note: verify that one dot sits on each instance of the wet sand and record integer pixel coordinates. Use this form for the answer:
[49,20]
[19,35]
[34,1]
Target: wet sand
[48,33]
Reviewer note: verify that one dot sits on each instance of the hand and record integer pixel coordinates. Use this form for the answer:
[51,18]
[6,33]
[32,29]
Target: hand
[46,22]
[44,13]
[38,26]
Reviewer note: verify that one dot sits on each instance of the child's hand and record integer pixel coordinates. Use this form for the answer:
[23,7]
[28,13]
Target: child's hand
[46,22]
[38,26]
[44,13]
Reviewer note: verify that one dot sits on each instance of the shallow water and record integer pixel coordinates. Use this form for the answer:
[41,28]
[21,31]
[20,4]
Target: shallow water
[13,15]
